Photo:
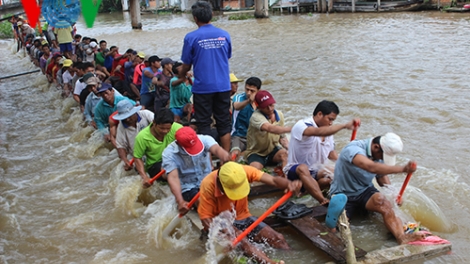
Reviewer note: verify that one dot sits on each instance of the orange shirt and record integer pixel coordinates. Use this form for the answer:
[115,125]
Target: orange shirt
[212,201]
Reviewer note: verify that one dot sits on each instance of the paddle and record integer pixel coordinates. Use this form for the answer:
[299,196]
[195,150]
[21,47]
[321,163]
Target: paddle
[156,176]
[353,135]
[176,220]
[261,218]
[405,183]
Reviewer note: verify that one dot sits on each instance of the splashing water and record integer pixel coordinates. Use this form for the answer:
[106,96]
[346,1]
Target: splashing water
[216,243]
[162,212]
[127,191]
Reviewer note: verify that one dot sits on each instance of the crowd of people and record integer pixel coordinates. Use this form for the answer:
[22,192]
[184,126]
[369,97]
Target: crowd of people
[160,117]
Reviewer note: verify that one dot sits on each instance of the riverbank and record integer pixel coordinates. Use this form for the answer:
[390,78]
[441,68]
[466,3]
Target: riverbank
[64,199]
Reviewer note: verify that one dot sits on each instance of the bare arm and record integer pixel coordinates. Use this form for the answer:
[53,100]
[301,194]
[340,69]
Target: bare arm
[148,74]
[221,153]
[139,165]
[123,156]
[76,97]
[175,187]
[242,104]
[281,183]
[275,129]
[379,168]
[383,180]
[325,131]
[333,155]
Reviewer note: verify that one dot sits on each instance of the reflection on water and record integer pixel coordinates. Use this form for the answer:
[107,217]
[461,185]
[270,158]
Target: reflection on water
[64,197]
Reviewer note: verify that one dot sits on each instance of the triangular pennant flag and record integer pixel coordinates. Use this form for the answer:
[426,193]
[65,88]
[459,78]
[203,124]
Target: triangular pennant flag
[32,10]
[89,11]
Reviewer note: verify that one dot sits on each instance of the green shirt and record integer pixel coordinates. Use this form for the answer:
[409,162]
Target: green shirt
[99,58]
[262,142]
[146,144]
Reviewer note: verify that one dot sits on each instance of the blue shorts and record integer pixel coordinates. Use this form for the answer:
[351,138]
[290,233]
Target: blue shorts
[65,47]
[292,175]
[177,111]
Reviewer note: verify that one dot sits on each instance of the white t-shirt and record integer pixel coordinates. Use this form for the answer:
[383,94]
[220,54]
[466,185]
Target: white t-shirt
[79,86]
[67,77]
[308,150]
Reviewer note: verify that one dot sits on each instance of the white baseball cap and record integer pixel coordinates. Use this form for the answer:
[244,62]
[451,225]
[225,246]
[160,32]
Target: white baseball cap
[391,145]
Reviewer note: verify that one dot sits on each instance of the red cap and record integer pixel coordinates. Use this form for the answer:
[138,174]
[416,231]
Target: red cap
[263,98]
[186,137]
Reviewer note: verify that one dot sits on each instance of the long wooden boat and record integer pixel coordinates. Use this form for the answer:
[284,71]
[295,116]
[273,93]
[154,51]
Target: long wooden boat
[320,237]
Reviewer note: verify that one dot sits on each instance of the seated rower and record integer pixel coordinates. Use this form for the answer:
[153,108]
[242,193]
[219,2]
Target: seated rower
[227,189]
[311,145]
[266,141]
[151,141]
[132,120]
[243,107]
[359,163]
[187,161]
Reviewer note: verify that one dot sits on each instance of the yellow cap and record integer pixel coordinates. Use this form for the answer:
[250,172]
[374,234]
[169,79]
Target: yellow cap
[234,78]
[67,63]
[232,176]
[140,54]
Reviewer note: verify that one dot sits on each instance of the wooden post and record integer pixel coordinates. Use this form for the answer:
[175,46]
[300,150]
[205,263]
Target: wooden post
[323,6]
[319,6]
[135,14]
[353,6]
[343,225]
[330,5]
[261,8]
[378,5]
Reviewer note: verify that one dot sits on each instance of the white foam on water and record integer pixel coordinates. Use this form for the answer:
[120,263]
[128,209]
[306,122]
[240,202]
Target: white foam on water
[125,256]
[161,212]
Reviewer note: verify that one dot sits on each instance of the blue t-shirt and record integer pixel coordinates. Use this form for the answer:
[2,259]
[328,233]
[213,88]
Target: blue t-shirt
[191,169]
[128,71]
[208,49]
[103,110]
[108,62]
[350,179]
[147,85]
[241,118]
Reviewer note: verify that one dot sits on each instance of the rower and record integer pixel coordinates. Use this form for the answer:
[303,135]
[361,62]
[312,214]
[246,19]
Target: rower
[187,160]
[227,189]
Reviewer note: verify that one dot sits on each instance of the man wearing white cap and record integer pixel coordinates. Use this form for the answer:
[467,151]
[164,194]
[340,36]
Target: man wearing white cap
[132,121]
[352,189]
[187,161]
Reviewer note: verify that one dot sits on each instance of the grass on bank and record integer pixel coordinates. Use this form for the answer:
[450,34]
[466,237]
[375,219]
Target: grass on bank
[6,31]
[240,17]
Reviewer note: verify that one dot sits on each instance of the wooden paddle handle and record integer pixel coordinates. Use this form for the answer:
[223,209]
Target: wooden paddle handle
[156,176]
[261,218]
[405,183]
[131,162]
[191,203]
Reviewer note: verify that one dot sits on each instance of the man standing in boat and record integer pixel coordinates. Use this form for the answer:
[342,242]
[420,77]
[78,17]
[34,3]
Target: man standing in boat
[352,189]
[227,189]
[187,161]
[311,145]
[151,141]
[208,49]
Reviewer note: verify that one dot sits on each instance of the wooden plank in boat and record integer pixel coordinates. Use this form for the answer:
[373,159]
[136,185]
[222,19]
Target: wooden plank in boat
[322,238]
[404,253]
